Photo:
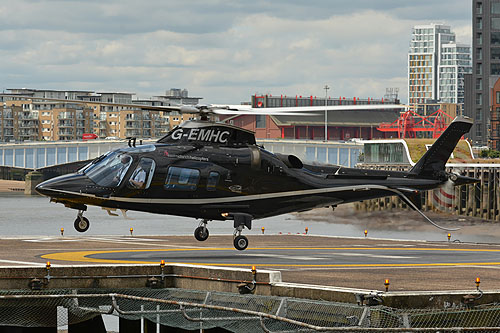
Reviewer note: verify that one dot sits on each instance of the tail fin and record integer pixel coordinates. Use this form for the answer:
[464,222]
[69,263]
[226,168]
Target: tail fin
[435,158]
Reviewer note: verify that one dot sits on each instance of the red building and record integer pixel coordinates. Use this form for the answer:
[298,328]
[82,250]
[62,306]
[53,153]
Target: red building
[342,125]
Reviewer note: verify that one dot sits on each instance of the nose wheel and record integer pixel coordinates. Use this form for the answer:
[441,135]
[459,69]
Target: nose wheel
[201,233]
[82,223]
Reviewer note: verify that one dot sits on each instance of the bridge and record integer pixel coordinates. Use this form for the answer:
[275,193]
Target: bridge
[39,155]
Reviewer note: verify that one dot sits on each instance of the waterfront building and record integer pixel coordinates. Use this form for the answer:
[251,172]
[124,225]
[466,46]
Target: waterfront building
[455,63]
[23,119]
[436,65]
[341,125]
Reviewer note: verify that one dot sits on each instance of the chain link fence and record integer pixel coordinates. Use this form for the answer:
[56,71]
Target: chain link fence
[192,310]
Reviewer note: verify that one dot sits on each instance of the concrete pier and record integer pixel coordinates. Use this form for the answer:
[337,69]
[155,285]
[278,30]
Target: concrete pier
[31,181]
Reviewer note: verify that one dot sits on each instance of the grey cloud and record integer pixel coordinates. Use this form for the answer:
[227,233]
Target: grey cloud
[221,50]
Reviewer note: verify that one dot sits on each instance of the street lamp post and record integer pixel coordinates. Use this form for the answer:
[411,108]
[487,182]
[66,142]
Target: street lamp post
[326,111]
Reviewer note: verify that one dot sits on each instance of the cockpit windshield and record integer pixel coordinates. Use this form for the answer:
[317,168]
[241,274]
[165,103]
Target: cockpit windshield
[110,170]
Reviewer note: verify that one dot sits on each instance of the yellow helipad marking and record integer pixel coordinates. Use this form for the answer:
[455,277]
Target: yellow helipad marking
[83,256]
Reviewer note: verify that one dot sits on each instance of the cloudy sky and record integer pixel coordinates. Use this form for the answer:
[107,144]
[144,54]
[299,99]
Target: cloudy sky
[223,51]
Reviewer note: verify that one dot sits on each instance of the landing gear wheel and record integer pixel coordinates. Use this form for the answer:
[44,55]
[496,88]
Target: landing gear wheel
[240,242]
[82,224]
[201,233]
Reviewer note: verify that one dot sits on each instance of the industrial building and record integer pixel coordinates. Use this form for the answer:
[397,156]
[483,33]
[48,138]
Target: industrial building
[341,125]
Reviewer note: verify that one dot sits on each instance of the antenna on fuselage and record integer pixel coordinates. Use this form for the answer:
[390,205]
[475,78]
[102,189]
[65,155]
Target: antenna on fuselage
[131,141]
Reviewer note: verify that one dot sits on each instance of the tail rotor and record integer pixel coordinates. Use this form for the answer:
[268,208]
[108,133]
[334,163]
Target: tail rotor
[443,198]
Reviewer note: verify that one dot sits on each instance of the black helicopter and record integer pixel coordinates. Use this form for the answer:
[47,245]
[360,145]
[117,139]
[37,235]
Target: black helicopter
[215,171]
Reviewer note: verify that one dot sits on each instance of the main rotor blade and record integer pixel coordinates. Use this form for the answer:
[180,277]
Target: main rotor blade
[257,112]
[217,108]
[248,108]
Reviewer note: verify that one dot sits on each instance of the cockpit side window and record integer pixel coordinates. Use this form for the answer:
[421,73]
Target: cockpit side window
[110,171]
[182,179]
[142,175]
[212,180]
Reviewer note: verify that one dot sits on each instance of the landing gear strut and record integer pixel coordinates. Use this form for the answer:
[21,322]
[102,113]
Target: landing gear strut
[201,233]
[241,221]
[82,223]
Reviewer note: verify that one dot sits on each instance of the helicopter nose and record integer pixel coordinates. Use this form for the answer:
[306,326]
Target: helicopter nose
[57,186]
[47,187]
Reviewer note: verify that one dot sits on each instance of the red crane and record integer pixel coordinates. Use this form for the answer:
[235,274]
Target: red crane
[410,122]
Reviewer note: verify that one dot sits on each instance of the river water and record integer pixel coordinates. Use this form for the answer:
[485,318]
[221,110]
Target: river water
[22,215]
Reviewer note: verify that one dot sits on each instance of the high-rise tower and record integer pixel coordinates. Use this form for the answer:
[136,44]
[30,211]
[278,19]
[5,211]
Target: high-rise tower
[486,73]
[436,65]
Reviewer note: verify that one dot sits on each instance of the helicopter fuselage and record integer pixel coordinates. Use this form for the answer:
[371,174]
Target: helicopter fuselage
[219,180]
[213,171]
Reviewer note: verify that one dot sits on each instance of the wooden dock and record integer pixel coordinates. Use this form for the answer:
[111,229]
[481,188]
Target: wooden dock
[481,200]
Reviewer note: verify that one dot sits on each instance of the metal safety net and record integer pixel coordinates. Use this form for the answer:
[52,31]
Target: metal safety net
[192,310]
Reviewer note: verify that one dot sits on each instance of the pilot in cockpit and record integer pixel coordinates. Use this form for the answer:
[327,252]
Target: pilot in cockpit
[138,178]
[125,159]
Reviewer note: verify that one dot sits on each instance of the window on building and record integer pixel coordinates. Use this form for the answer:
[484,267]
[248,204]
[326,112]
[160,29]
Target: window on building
[479,53]
[495,53]
[260,121]
[495,8]
[479,8]
[479,69]
[495,69]
[495,38]
[479,23]
[478,115]
[498,97]
[479,99]
[495,22]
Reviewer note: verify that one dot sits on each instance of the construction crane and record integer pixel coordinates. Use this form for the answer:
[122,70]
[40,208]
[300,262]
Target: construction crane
[410,122]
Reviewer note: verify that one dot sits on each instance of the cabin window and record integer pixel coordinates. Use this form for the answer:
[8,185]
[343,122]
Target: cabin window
[182,179]
[142,175]
[212,181]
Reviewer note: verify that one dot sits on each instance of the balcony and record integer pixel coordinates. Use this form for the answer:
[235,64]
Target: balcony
[64,132]
[132,117]
[27,116]
[66,115]
[133,125]
[28,124]
[25,132]
[133,133]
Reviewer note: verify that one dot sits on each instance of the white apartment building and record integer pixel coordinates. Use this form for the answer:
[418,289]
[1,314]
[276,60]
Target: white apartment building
[436,65]
[454,63]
